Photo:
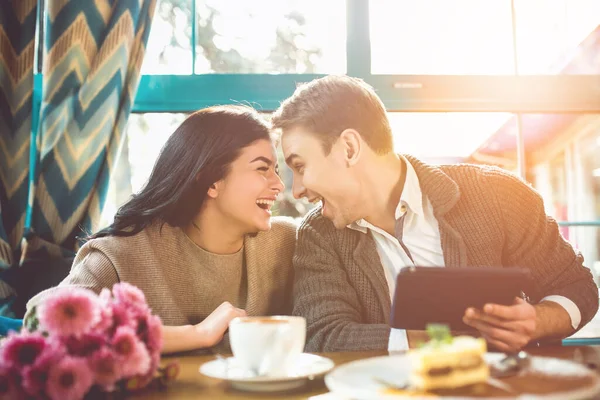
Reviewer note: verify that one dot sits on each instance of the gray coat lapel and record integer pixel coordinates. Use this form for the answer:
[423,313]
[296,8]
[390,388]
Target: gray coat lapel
[453,245]
[443,193]
[366,258]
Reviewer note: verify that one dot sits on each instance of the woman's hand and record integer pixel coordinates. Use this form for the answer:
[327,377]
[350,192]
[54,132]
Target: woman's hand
[214,326]
[205,334]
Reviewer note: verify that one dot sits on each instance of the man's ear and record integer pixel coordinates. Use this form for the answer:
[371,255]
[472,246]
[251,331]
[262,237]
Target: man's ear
[351,143]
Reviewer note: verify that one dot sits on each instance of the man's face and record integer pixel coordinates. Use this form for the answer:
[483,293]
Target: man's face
[327,178]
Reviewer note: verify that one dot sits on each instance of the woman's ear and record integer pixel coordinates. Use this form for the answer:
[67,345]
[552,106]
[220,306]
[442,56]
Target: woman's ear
[213,190]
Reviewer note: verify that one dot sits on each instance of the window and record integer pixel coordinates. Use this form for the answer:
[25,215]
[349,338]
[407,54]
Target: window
[248,37]
[462,37]
[565,172]
[146,135]
[169,50]
[431,37]
[444,137]
[549,33]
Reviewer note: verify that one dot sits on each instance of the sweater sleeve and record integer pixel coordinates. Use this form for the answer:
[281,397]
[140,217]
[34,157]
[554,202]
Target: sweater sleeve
[325,297]
[91,269]
[533,240]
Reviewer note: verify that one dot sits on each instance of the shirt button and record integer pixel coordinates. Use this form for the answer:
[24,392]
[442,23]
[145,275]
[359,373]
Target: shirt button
[403,208]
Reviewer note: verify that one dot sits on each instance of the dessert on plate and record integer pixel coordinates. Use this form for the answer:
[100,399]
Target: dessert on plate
[447,362]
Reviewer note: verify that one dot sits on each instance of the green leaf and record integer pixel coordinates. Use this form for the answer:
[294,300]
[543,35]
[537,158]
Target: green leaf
[439,333]
[31,322]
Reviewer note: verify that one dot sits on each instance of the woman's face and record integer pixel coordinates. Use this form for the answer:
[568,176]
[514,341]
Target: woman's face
[250,189]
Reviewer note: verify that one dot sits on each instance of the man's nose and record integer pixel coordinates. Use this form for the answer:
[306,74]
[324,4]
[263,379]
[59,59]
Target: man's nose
[298,189]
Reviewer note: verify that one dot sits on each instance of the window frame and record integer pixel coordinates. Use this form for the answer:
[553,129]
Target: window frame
[400,93]
[577,94]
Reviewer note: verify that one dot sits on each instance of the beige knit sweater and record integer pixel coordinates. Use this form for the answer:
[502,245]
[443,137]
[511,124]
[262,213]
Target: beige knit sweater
[486,217]
[182,282]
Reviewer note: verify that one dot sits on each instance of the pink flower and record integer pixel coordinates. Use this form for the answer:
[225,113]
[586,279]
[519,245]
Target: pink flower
[124,341]
[130,296]
[154,364]
[154,338]
[69,379]
[69,311]
[132,353]
[35,376]
[106,314]
[21,350]
[121,316]
[106,368]
[139,362]
[141,381]
[10,384]
[149,330]
[105,296]
[84,345]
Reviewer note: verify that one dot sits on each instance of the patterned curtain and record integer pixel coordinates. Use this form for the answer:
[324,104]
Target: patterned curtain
[93,53]
[17,46]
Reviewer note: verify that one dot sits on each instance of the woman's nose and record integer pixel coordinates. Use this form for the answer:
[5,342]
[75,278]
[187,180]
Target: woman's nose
[278,184]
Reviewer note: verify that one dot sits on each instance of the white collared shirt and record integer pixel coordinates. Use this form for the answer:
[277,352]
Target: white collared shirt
[421,235]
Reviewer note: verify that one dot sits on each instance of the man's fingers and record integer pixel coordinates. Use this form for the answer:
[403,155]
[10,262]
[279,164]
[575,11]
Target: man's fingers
[498,345]
[518,312]
[519,300]
[492,320]
[513,339]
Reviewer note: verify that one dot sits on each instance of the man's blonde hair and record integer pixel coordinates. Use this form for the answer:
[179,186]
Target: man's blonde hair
[327,106]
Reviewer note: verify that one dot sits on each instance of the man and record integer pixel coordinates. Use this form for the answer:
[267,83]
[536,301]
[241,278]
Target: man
[381,211]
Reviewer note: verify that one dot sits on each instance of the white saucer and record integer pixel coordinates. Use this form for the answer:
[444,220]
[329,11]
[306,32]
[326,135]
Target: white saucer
[307,367]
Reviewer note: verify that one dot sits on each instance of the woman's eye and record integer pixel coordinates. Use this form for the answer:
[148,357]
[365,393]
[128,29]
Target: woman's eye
[265,169]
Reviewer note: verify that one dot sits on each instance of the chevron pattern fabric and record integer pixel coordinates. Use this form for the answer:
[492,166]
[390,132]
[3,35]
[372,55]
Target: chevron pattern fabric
[17,44]
[93,53]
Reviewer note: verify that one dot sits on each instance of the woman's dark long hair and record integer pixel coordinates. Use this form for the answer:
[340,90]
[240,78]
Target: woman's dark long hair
[196,155]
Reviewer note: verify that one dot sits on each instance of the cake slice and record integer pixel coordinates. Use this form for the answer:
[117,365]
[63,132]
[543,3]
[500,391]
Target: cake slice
[449,363]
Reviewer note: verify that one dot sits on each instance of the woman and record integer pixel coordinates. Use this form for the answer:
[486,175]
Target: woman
[198,240]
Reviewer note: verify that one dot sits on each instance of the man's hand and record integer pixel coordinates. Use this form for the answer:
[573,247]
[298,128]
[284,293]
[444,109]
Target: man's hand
[508,328]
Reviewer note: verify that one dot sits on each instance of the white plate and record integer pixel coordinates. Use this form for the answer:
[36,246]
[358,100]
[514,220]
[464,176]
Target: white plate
[307,367]
[359,379]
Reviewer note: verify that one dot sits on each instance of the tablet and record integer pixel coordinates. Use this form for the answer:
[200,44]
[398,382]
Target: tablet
[442,294]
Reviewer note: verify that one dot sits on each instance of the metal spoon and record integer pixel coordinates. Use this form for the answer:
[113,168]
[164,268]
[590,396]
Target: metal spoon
[510,365]
[392,385]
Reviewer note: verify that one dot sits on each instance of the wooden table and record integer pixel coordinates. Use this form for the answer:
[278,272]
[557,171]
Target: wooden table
[192,385]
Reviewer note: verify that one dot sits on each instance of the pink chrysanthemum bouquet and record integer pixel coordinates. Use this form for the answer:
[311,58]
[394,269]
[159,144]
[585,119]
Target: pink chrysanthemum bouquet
[80,342]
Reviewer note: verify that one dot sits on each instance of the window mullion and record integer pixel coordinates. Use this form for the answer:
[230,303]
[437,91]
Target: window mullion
[193,38]
[358,39]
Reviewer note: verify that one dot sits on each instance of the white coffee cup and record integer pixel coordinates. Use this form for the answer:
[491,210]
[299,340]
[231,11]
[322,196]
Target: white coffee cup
[267,346]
